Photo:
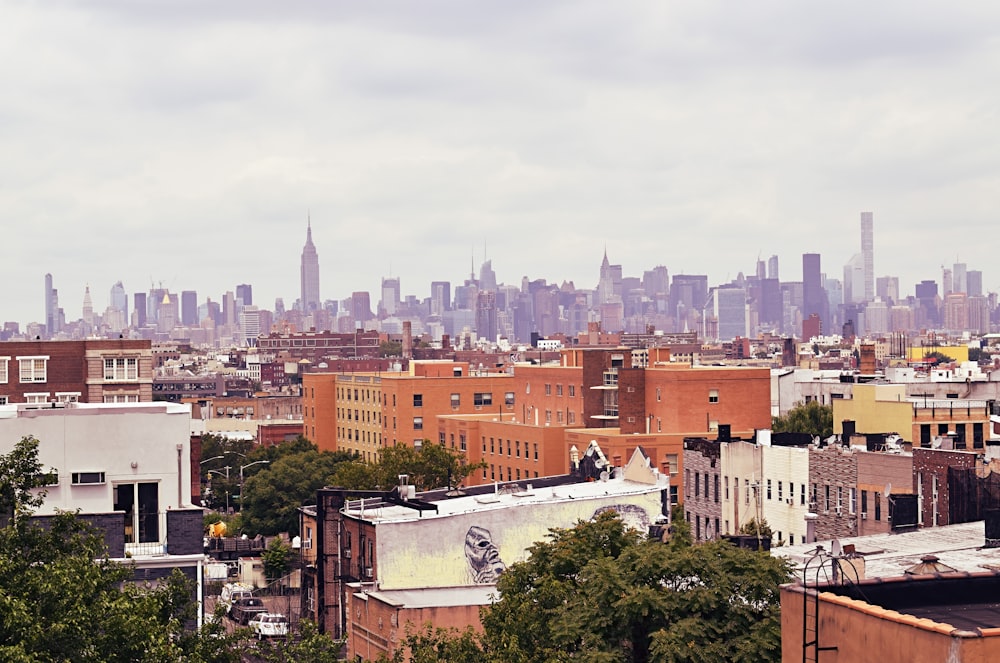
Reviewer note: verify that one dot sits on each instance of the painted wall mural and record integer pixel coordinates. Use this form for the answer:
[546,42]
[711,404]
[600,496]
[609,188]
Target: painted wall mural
[475,547]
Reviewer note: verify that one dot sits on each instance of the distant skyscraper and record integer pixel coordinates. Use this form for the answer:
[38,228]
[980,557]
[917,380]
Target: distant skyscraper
[487,277]
[119,299]
[958,276]
[868,254]
[244,292]
[390,295]
[88,307]
[772,267]
[139,309]
[189,308]
[440,297]
[947,283]
[974,282]
[310,273]
[814,299]
[361,307]
[51,307]
[610,283]
[486,315]
[887,287]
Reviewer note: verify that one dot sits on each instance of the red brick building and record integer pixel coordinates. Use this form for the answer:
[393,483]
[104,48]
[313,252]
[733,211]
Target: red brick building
[92,371]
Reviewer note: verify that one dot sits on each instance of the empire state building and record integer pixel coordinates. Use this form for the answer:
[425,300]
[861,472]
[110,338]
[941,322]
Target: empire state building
[310,273]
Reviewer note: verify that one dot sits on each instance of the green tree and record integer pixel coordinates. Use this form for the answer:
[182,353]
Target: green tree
[811,418]
[390,349]
[430,466]
[603,592]
[63,599]
[21,480]
[938,357]
[275,559]
[271,497]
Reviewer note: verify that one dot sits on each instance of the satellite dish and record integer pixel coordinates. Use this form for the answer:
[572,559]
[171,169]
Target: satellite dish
[835,548]
[888,489]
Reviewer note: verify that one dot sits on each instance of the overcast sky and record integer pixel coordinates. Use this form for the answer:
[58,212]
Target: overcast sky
[185,141]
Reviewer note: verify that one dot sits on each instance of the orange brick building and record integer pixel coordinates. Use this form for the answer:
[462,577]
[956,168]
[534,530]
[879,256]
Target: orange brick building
[364,413]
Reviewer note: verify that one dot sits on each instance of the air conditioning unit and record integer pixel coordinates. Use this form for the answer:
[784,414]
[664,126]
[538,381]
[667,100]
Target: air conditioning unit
[790,500]
[812,506]
[347,553]
[864,515]
[838,510]
[368,572]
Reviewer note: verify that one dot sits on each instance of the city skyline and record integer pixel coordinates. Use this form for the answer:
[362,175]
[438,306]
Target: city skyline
[186,145]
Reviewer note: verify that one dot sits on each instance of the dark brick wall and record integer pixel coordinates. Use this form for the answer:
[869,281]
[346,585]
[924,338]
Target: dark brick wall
[702,496]
[185,532]
[929,464]
[111,525]
[837,467]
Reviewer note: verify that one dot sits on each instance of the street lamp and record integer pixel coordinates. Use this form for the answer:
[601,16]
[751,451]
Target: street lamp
[212,458]
[221,474]
[243,467]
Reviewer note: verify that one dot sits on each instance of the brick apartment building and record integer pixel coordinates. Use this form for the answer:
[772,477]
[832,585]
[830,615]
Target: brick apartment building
[364,413]
[91,371]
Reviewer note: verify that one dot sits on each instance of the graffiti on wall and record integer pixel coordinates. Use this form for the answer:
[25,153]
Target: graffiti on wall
[475,547]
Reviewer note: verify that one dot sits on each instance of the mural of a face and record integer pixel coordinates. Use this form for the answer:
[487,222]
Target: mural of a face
[484,558]
[632,515]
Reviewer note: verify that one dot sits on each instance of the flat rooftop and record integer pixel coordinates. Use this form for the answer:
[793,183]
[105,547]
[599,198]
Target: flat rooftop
[506,496]
[887,555]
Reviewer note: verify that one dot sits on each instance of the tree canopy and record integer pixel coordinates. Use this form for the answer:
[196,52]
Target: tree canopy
[271,496]
[811,418]
[63,599]
[603,592]
[430,466]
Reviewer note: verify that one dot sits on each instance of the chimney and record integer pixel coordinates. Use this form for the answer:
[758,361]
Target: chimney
[407,340]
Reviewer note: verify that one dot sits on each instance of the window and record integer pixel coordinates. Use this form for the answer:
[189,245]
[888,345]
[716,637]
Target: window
[536,450]
[571,417]
[548,416]
[572,390]
[33,369]
[3,369]
[658,395]
[418,400]
[672,465]
[482,398]
[461,441]
[780,491]
[548,390]
[713,395]
[3,400]
[456,400]
[518,443]
[768,489]
[121,368]
[716,479]
[37,398]
[418,423]
[508,399]
[82,478]
[854,500]
[697,484]
[559,390]
[68,396]
[442,439]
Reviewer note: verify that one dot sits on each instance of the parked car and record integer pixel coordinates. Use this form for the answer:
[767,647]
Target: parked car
[269,625]
[233,592]
[244,609]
